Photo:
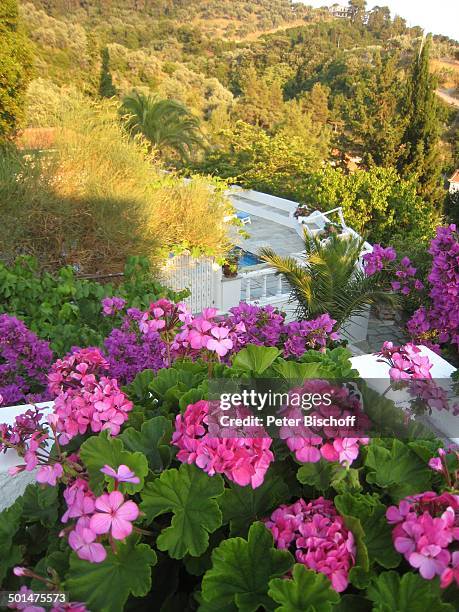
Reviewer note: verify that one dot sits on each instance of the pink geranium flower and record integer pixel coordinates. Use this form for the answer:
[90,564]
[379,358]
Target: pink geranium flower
[48,474]
[82,540]
[124,474]
[115,515]
[220,343]
[430,561]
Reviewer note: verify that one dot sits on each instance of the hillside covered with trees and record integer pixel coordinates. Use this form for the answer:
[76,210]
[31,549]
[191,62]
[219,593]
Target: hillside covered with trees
[273,95]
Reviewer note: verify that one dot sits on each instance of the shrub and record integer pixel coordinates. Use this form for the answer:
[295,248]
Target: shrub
[67,310]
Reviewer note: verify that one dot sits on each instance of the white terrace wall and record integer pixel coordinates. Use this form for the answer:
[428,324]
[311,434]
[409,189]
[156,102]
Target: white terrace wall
[201,276]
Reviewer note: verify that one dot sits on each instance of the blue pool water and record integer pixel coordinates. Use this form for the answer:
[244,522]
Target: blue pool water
[247,259]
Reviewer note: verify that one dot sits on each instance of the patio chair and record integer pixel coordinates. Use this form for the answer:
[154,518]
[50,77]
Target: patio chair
[244,217]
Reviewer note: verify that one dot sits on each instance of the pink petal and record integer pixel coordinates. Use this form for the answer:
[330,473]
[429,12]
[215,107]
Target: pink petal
[116,498]
[129,511]
[102,503]
[121,528]
[100,522]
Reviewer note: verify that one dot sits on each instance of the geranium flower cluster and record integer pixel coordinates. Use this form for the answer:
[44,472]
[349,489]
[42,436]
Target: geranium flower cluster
[442,316]
[207,333]
[378,259]
[408,366]
[406,362]
[109,514]
[317,536]
[243,460]
[86,398]
[25,426]
[32,439]
[426,532]
[332,443]
[24,363]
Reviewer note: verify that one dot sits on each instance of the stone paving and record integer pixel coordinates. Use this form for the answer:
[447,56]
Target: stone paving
[380,329]
[264,233]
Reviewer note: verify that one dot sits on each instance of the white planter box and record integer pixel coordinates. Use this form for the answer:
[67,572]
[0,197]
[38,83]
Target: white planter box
[229,293]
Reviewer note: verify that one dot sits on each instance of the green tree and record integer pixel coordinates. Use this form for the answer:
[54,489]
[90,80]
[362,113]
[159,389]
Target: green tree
[331,281]
[279,164]
[15,68]
[379,21]
[374,112]
[261,102]
[420,140]
[376,202]
[106,87]
[166,124]
[358,7]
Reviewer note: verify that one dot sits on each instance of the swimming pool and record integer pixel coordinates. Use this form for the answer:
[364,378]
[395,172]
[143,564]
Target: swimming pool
[247,259]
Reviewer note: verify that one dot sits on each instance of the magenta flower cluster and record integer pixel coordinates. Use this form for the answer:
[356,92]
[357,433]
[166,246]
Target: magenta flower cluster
[441,318]
[406,362]
[24,363]
[406,281]
[332,443]
[243,460]
[316,534]
[86,398]
[167,332]
[426,533]
[378,259]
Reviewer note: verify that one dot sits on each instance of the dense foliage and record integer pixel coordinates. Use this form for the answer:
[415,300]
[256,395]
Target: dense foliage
[15,69]
[286,112]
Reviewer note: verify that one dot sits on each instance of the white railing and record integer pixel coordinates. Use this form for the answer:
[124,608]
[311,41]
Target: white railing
[264,286]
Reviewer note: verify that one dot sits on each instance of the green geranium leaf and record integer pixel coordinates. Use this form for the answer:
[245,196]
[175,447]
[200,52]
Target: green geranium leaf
[255,359]
[397,469]
[307,590]
[152,440]
[102,450]
[191,495]
[105,587]
[11,554]
[191,397]
[409,593]
[345,479]
[138,390]
[291,370]
[40,504]
[371,514]
[316,475]
[241,506]
[241,571]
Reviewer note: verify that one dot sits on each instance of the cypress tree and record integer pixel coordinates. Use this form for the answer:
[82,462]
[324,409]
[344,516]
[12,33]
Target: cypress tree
[420,142]
[15,68]
[106,87]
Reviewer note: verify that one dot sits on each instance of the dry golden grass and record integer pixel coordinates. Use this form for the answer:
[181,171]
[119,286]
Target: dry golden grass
[99,196]
[448,72]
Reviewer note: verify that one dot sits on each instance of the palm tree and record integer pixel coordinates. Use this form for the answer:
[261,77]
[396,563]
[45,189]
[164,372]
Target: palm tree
[165,123]
[330,280]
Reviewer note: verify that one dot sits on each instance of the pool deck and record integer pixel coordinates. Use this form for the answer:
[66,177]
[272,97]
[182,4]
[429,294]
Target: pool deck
[265,233]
